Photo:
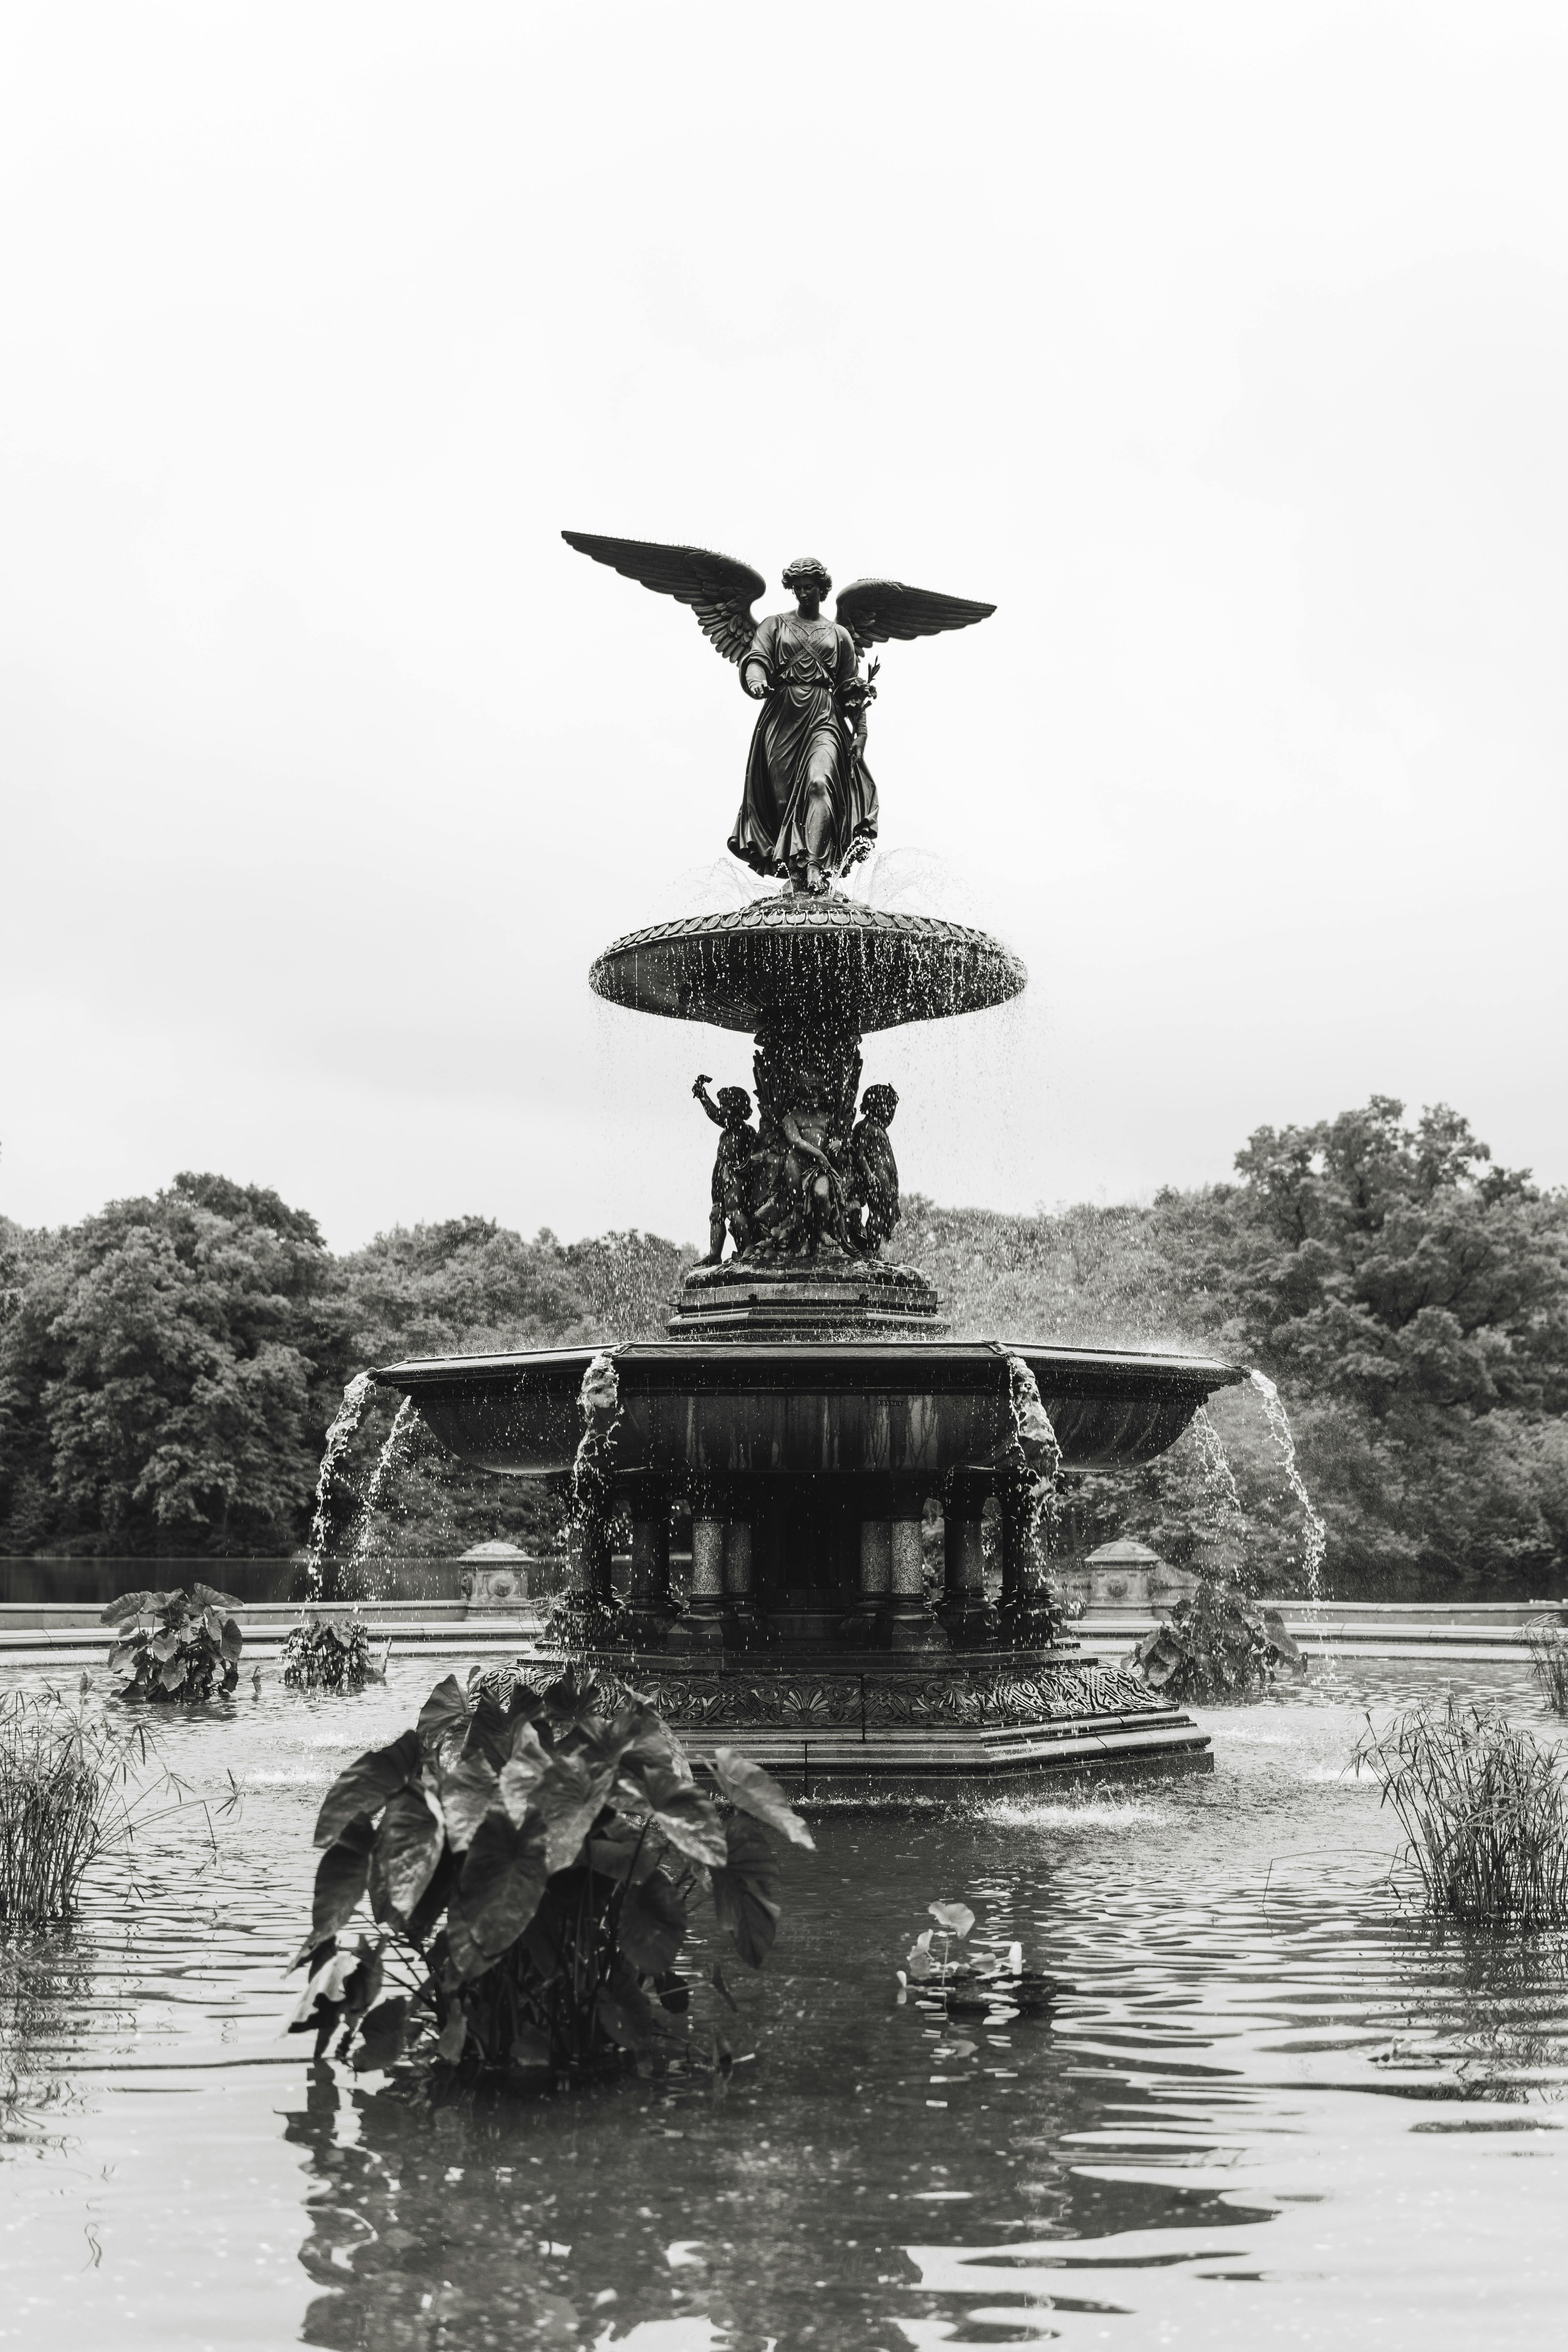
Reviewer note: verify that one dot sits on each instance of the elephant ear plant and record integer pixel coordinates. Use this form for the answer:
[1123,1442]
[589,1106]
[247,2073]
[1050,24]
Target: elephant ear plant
[188,1646]
[531,1859]
[330,1652]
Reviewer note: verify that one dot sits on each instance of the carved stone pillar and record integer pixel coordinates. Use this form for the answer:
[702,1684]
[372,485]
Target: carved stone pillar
[964,1610]
[742,1628]
[705,1617]
[910,1623]
[867,1622]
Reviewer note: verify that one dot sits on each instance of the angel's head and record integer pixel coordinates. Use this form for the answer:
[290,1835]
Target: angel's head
[807,581]
[879,1103]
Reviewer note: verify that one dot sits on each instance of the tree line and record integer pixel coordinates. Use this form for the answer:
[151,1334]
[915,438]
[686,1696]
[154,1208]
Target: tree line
[169,1366]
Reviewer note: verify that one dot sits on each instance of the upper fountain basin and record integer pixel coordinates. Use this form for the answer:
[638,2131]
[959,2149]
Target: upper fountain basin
[745,1408]
[857,968]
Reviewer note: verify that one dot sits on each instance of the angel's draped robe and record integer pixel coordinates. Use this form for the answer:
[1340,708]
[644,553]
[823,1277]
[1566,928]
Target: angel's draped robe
[808,792]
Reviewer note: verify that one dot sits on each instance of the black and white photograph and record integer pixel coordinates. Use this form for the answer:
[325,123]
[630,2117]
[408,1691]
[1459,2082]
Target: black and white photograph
[783,1176]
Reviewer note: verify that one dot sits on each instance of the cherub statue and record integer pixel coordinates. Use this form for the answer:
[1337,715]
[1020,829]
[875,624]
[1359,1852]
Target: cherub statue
[874,1171]
[810,1197]
[809,808]
[732,1114]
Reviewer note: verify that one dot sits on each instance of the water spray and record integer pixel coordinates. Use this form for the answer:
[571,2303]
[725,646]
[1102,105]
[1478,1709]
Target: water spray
[402,1428]
[345,1422]
[1315,1548]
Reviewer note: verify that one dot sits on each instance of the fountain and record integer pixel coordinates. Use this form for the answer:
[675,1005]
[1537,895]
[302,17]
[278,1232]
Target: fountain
[807,1402]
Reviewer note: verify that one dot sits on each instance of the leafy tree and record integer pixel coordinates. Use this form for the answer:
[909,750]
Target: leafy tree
[162,1361]
[1411,1299]
[465,1286]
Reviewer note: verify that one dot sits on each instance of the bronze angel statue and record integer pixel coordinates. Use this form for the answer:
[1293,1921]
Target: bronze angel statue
[809,808]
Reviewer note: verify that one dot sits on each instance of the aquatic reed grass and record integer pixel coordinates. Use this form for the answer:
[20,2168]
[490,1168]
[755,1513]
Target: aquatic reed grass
[68,1796]
[1548,1640]
[1484,1809]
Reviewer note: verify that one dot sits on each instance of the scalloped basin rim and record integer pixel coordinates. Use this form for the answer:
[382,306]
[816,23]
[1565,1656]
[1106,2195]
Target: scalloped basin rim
[694,1357]
[803,1409]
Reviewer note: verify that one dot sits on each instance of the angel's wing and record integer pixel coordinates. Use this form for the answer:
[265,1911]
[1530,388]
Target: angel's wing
[719,591]
[875,610]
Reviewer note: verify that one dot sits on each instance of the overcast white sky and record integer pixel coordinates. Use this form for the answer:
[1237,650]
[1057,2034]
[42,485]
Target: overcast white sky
[1225,348]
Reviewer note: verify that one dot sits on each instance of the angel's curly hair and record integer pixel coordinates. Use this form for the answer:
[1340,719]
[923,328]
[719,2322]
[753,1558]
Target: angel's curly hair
[805,568]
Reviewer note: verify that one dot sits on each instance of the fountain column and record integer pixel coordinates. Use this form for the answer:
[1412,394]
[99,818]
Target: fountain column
[910,1623]
[705,1617]
[742,1630]
[965,1612]
[868,1622]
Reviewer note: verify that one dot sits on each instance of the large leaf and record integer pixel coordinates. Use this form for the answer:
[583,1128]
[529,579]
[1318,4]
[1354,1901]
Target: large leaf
[653,1925]
[340,1877]
[575,1697]
[635,1730]
[444,1720]
[503,1879]
[134,1604]
[324,1987]
[368,1784]
[758,1793]
[689,1819]
[174,1674]
[204,1597]
[422,1919]
[233,1640]
[522,1772]
[455,1958]
[743,1893]
[489,1730]
[622,1850]
[521,1705]
[568,1800]
[467,1795]
[407,1847]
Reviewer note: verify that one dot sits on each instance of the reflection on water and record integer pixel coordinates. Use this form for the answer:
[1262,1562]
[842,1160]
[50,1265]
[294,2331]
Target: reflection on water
[1272,2108]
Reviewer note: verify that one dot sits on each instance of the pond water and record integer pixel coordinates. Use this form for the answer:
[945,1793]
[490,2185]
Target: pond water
[1274,2110]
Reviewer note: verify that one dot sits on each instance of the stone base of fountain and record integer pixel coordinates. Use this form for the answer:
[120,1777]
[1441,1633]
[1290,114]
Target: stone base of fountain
[747,1298]
[867,1723]
[819,1634]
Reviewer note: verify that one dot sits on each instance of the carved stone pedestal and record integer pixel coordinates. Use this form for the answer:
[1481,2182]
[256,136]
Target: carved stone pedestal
[870,1725]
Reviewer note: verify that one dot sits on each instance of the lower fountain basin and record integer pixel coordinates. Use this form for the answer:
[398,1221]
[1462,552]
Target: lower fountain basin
[845,1407]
